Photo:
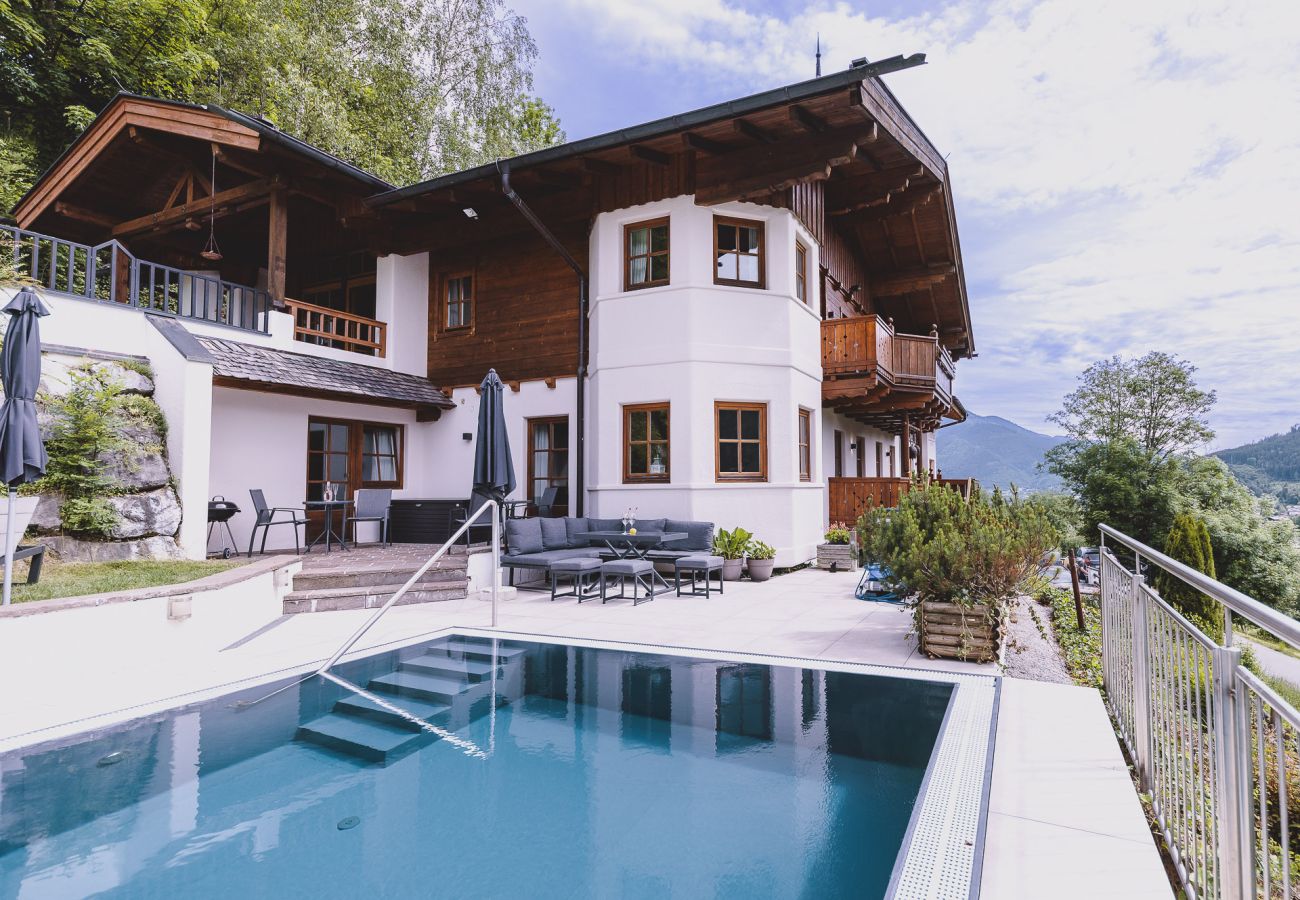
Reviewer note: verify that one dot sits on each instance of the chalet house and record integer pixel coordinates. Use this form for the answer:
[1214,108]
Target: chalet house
[748,313]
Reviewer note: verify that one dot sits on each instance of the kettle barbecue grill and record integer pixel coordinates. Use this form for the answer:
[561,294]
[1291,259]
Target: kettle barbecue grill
[220,512]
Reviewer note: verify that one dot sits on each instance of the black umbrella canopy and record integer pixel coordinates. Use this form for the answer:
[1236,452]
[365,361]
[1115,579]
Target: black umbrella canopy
[494,471]
[22,452]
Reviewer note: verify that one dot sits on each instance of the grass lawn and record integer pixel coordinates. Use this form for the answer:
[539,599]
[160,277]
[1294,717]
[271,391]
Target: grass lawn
[60,579]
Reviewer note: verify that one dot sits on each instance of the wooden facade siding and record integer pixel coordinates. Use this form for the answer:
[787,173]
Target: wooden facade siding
[525,317]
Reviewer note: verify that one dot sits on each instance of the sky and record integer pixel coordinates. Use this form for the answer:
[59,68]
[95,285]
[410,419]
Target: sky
[1126,174]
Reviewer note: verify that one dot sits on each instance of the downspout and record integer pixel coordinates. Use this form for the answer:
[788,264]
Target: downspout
[580,491]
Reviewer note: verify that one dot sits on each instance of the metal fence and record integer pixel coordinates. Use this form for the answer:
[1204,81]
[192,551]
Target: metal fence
[1214,744]
[109,273]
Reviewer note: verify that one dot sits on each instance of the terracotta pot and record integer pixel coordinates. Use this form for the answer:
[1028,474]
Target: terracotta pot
[731,569]
[760,569]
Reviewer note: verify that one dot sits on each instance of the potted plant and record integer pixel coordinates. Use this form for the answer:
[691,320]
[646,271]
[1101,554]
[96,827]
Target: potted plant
[762,557]
[731,546]
[962,560]
[837,552]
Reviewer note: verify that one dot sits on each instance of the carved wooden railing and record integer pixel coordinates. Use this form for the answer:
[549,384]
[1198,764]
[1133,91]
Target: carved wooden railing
[327,327]
[851,497]
[857,344]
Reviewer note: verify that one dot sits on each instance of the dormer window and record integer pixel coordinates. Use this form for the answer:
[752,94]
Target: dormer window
[738,252]
[645,254]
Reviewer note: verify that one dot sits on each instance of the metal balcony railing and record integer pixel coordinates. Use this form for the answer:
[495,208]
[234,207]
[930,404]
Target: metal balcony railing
[1217,747]
[109,273]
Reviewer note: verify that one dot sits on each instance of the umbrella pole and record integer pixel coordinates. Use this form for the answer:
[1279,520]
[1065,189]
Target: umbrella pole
[9,549]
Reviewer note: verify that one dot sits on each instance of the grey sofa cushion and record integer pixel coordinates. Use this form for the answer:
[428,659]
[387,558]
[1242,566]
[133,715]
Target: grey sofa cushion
[524,536]
[647,526]
[543,559]
[700,535]
[554,535]
[575,530]
[605,524]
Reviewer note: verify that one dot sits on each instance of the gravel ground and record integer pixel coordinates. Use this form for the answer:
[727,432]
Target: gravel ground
[1030,655]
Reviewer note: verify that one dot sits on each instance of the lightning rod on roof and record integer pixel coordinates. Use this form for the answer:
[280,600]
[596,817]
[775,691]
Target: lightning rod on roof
[819,54]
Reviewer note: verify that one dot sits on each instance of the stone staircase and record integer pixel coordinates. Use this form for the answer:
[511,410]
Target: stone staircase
[448,686]
[366,580]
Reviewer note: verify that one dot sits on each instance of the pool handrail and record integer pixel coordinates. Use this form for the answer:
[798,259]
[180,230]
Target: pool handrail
[419,573]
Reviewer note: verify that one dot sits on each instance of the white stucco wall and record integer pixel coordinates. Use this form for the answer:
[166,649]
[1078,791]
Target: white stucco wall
[692,343]
[402,300]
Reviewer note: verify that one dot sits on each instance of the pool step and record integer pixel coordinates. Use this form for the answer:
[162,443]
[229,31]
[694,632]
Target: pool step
[436,664]
[361,707]
[422,686]
[361,737]
[446,685]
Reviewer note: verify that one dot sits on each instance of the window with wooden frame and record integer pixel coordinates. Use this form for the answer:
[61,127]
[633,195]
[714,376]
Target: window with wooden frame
[458,301]
[880,459]
[800,272]
[645,254]
[839,453]
[738,252]
[741,430]
[805,445]
[348,455]
[548,462]
[645,442]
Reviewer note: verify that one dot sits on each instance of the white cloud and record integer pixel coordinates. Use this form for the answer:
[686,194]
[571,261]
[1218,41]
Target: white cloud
[1126,173]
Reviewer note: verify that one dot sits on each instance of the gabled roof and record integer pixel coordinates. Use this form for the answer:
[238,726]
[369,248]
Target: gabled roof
[207,122]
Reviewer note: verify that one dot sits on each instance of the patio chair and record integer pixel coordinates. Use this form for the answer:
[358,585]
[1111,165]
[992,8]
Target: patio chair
[371,505]
[546,506]
[458,516]
[266,517]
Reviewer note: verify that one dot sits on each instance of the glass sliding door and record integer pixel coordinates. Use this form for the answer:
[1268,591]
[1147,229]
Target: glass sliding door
[548,462]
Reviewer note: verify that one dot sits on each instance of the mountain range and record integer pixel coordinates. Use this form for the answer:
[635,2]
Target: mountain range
[996,451]
[1270,465]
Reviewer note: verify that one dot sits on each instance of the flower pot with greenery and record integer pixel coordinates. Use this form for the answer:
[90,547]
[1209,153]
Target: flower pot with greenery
[731,546]
[762,557]
[837,553]
[961,559]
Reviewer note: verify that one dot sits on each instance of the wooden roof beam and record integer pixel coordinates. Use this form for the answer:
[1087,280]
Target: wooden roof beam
[911,201]
[694,141]
[808,121]
[80,214]
[178,214]
[753,132]
[907,282]
[650,155]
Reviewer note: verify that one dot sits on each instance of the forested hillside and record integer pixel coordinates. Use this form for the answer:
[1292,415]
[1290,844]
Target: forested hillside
[997,452]
[1269,466]
[404,88]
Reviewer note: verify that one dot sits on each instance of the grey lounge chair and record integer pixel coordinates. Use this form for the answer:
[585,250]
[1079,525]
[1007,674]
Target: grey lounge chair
[371,505]
[266,519]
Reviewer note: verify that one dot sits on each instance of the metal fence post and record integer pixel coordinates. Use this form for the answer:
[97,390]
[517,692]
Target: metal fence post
[1142,736]
[1232,779]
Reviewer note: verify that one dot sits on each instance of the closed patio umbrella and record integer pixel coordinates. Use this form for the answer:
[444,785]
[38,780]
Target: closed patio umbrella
[22,452]
[494,470]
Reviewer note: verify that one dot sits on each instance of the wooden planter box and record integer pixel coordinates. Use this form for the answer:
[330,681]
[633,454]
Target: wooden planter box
[951,631]
[840,554]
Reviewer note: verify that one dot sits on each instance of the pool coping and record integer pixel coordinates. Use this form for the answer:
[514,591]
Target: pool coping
[949,868]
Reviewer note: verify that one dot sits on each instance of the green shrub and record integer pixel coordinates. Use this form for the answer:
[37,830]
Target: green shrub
[1080,650]
[759,550]
[946,549]
[1189,543]
[92,516]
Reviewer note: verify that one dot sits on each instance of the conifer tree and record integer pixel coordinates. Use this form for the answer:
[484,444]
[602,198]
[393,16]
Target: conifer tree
[1189,543]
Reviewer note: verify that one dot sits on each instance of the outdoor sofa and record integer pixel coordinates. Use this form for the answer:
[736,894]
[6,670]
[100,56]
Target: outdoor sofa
[536,543]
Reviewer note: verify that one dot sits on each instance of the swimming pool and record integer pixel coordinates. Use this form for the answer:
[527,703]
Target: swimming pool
[534,770]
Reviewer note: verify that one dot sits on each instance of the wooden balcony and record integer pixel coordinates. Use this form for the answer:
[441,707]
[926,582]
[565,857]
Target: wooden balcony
[851,497]
[327,327]
[879,376]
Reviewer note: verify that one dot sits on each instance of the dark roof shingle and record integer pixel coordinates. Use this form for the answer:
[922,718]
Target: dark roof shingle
[315,375]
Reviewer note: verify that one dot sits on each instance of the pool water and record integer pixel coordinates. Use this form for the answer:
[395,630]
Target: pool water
[596,773]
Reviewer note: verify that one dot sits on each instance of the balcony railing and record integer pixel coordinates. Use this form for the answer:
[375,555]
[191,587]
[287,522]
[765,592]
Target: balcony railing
[869,346]
[851,497]
[1215,745]
[327,327]
[108,273]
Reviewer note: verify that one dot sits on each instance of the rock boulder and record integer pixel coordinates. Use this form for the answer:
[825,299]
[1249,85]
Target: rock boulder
[148,513]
